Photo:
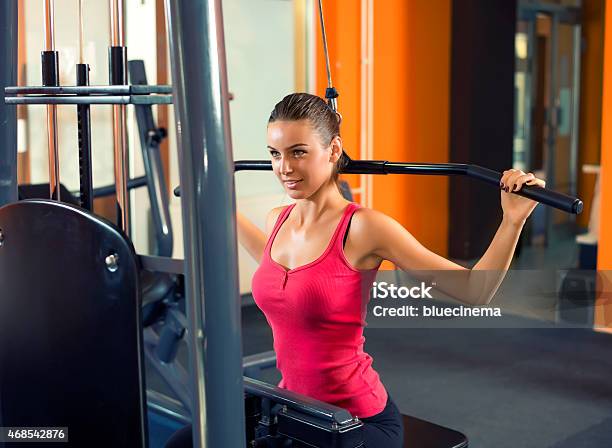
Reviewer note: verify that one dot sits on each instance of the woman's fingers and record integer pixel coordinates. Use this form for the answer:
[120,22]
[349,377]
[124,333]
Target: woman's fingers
[508,179]
[512,180]
[504,182]
[520,180]
[536,181]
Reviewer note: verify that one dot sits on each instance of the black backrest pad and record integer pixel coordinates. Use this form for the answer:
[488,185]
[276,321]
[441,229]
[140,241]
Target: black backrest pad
[70,333]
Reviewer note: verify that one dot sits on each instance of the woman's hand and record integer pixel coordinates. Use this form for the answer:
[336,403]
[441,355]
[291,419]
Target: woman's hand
[517,208]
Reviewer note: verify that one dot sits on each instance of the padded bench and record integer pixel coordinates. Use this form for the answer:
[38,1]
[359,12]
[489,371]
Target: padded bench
[422,434]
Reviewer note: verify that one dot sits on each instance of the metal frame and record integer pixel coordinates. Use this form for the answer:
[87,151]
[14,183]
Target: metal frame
[8,114]
[213,307]
[111,94]
[73,99]
[50,77]
[117,74]
[197,53]
[88,90]
[150,139]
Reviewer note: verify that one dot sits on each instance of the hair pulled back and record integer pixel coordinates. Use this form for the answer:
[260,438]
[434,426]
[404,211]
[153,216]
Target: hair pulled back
[324,120]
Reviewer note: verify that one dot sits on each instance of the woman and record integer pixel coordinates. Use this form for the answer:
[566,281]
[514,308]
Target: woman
[315,272]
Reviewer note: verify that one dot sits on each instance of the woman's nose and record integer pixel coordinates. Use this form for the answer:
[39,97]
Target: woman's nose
[285,166]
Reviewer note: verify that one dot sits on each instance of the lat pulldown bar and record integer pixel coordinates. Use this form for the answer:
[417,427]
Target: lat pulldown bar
[552,198]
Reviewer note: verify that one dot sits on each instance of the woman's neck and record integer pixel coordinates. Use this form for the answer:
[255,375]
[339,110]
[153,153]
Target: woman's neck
[325,201]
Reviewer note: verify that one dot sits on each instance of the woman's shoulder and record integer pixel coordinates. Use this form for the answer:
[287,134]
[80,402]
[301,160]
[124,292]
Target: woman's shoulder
[272,217]
[367,219]
[373,226]
[366,224]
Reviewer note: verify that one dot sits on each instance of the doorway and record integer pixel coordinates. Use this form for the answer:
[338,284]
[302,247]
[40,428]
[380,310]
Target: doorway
[547,94]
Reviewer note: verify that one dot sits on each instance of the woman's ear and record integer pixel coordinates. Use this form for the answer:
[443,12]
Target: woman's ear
[336,149]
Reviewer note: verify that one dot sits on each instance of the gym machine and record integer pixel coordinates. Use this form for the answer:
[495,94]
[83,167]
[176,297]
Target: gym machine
[55,347]
[71,342]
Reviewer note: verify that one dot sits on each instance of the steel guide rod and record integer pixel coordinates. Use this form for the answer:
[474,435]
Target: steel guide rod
[88,90]
[50,75]
[8,115]
[117,67]
[197,51]
[94,99]
[81,32]
[151,137]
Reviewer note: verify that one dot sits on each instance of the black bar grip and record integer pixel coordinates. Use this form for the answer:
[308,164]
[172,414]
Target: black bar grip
[82,72]
[50,68]
[117,65]
[549,197]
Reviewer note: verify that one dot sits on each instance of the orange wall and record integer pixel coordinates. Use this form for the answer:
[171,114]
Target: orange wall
[411,102]
[343,28]
[411,112]
[603,311]
[590,101]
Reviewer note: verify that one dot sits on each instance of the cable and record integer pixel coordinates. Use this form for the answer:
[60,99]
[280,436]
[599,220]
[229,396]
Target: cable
[80,32]
[330,93]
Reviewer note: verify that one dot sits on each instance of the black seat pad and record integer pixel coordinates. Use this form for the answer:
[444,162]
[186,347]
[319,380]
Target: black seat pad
[423,434]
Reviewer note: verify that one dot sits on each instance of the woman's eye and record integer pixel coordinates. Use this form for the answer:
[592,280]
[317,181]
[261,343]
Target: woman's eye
[275,154]
[298,153]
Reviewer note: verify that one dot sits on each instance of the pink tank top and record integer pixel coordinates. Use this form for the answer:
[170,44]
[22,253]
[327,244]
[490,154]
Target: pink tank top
[317,314]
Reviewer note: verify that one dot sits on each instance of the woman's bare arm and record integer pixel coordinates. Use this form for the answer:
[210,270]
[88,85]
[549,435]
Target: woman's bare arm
[389,240]
[251,237]
[476,286]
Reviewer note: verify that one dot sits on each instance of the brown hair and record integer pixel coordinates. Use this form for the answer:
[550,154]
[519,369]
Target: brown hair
[325,121]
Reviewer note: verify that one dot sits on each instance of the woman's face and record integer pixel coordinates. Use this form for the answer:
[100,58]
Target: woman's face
[300,160]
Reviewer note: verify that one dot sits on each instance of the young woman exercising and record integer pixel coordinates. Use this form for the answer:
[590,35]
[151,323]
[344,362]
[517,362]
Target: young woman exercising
[315,272]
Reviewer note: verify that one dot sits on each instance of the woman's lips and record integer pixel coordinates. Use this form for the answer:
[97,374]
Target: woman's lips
[291,184]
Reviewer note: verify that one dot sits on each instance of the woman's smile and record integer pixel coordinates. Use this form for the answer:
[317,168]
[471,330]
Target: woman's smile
[292,183]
